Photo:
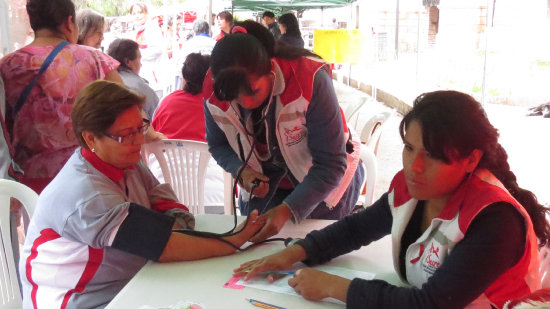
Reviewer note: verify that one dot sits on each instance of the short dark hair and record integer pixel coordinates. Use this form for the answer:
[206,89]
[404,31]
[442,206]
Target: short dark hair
[122,50]
[98,105]
[201,26]
[49,14]
[193,71]
[228,17]
[268,14]
[89,22]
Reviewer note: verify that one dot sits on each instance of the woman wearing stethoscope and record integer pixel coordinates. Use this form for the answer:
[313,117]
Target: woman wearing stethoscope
[273,122]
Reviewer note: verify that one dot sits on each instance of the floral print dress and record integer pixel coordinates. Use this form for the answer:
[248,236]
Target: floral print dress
[41,132]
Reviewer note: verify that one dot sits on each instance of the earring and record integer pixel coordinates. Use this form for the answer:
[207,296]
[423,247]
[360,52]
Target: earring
[93,150]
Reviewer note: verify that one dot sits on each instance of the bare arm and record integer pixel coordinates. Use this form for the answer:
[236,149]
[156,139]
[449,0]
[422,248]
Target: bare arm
[181,247]
[148,233]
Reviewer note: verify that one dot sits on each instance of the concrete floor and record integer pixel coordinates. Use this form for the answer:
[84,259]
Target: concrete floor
[525,138]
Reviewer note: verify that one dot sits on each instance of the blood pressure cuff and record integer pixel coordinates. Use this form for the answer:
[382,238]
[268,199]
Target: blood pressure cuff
[144,232]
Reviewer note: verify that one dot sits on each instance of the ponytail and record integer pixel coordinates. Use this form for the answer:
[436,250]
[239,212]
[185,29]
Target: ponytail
[497,163]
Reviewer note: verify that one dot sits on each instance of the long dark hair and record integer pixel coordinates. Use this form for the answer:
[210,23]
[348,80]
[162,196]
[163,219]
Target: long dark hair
[274,48]
[232,58]
[291,24]
[453,125]
[239,54]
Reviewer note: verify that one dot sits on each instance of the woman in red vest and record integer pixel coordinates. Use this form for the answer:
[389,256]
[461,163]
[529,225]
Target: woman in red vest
[464,233]
[273,121]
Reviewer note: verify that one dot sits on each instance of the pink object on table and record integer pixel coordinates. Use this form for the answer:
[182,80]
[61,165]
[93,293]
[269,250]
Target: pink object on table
[232,283]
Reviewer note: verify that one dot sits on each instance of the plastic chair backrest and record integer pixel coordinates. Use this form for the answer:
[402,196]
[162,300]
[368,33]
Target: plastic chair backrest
[228,195]
[538,299]
[544,258]
[370,164]
[351,113]
[372,130]
[10,294]
[183,164]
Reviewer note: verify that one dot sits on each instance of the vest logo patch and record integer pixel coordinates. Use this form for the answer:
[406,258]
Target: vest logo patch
[294,135]
[432,260]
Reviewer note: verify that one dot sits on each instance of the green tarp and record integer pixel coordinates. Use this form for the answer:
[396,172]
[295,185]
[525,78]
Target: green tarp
[279,6]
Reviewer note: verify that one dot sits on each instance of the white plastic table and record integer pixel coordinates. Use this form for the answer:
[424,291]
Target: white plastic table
[163,284]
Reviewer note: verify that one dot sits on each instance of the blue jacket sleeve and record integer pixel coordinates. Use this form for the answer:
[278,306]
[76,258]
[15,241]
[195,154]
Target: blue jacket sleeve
[327,146]
[219,146]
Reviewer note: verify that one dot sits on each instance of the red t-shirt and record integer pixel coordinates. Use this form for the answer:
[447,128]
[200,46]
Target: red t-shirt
[181,116]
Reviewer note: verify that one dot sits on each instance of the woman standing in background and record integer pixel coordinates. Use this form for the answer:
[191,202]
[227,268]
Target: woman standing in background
[40,128]
[290,30]
[149,37]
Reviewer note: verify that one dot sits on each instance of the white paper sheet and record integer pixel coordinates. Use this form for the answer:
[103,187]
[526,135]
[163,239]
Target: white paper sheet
[281,285]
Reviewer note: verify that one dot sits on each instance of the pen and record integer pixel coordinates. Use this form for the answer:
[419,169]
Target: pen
[282,272]
[273,275]
[261,304]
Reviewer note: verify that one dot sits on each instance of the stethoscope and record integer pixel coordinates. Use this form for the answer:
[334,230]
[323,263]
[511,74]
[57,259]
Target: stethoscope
[264,111]
[219,236]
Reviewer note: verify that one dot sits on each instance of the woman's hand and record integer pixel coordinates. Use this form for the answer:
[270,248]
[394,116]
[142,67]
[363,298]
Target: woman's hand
[282,260]
[314,284]
[274,219]
[247,181]
[252,226]
[153,136]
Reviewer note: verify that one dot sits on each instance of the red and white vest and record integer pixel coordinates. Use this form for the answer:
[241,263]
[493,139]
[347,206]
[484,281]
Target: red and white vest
[292,92]
[427,253]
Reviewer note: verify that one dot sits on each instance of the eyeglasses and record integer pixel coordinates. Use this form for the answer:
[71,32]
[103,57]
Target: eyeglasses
[131,138]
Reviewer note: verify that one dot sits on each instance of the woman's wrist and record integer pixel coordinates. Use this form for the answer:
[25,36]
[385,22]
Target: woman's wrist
[295,253]
[338,287]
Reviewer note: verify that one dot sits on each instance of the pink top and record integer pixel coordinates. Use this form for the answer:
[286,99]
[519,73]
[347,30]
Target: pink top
[42,134]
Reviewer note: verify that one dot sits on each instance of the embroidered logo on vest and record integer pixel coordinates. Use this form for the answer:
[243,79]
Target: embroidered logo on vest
[432,260]
[294,135]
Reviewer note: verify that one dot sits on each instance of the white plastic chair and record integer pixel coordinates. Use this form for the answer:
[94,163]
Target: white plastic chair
[183,164]
[544,257]
[9,281]
[370,165]
[372,130]
[351,113]
[228,194]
